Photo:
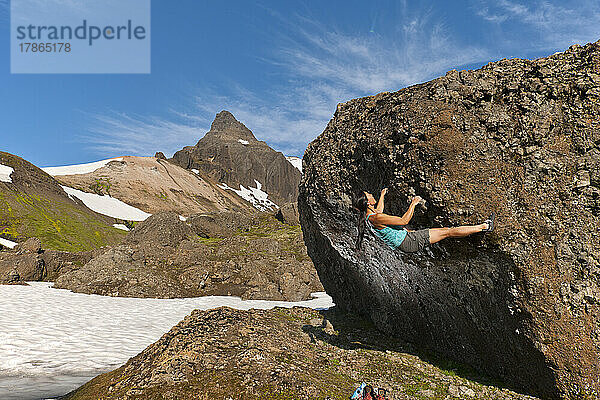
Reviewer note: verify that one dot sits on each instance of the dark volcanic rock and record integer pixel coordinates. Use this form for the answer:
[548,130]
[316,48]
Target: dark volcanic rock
[164,229]
[13,276]
[230,154]
[518,137]
[280,354]
[32,263]
[288,214]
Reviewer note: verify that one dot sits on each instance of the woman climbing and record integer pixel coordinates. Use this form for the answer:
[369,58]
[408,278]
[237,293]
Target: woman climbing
[389,227]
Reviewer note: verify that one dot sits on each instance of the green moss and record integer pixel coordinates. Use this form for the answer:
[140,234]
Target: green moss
[212,242]
[163,196]
[286,315]
[58,224]
[101,186]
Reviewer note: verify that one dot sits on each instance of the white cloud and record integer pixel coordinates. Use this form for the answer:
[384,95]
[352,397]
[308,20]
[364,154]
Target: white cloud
[544,25]
[421,47]
[122,134]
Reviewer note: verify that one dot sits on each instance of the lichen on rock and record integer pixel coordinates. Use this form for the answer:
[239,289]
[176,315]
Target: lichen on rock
[518,137]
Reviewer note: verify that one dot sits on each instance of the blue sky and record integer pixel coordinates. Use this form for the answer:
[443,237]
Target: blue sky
[280,66]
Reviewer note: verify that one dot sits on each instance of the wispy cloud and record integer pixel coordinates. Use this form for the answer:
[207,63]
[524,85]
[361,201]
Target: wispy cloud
[545,25]
[319,68]
[420,48]
[117,133]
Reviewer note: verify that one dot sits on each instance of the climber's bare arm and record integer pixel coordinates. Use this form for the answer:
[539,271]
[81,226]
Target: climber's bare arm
[411,209]
[384,219]
[380,220]
[380,203]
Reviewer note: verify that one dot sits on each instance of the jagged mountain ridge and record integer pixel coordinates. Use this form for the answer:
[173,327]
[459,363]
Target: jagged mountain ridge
[230,154]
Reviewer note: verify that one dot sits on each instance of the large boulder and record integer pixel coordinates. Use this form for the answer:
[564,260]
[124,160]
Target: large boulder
[288,214]
[517,137]
[30,262]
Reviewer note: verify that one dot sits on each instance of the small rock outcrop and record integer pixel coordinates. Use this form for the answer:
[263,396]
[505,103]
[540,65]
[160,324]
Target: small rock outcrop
[160,230]
[230,154]
[29,262]
[30,246]
[281,354]
[251,256]
[517,137]
[13,276]
[288,214]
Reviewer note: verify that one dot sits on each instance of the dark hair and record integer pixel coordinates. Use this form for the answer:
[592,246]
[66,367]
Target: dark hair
[359,203]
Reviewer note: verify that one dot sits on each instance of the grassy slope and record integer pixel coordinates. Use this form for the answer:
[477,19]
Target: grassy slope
[60,225]
[34,205]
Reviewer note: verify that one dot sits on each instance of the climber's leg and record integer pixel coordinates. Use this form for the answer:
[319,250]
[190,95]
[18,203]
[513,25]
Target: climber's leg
[437,234]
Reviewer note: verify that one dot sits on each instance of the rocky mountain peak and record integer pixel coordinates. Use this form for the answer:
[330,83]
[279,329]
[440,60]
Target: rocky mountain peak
[231,155]
[226,125]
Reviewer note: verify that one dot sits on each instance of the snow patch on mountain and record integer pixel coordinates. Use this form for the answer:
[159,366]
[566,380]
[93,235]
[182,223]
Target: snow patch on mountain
[5,173]
[244,142]
[107,205]
[121,227]
[7,243]
[254,196]
[195,171]
[295,161]
[79,169]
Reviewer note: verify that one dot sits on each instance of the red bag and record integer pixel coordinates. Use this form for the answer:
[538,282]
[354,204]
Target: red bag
[371,394]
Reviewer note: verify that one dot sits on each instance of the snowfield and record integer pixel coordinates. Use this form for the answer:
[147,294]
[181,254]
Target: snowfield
[7,243]
[5,173]
[121,227]
[107,205]
[78,169]
[49,351]
[254,196]
[295,161]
